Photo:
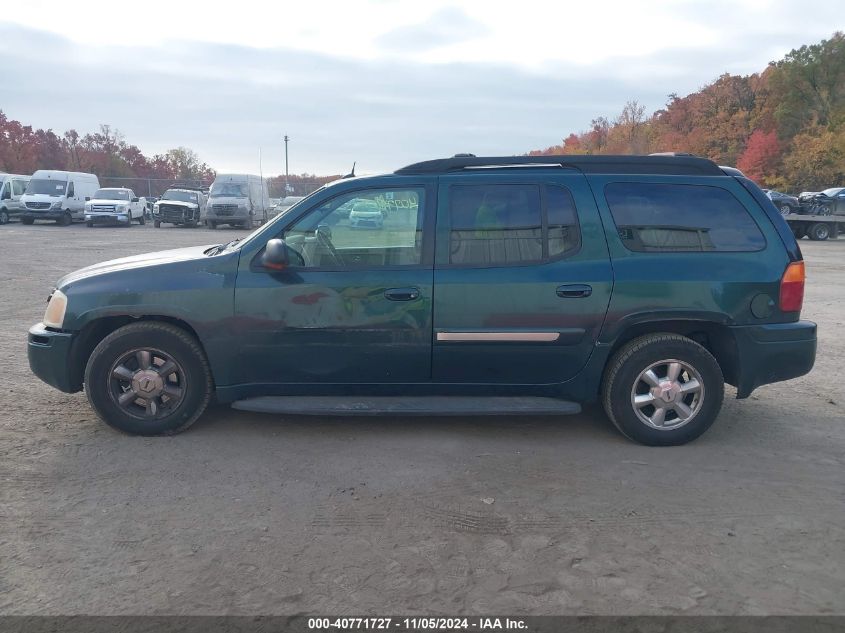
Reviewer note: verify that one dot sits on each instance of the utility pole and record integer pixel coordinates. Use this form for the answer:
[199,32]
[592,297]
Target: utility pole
[287,138]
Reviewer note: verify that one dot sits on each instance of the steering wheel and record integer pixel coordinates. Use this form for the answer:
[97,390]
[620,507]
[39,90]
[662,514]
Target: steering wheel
[324,240]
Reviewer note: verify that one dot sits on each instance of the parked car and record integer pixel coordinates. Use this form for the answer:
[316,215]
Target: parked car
[238,200]
[284,204]
[641,282]
[114,205]
[12,187]
[366,214]
[785,203]
[57,195]
[180,206]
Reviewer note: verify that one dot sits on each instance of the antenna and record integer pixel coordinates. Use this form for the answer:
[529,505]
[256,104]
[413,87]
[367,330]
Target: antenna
[351,174]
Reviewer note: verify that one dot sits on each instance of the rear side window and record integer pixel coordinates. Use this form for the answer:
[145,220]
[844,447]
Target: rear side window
[510,224]
[654,217]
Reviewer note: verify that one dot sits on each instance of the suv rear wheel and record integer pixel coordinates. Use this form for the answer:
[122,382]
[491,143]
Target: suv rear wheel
[148,378]
[663,390]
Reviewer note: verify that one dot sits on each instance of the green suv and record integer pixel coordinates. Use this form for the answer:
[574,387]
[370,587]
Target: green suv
[503,285]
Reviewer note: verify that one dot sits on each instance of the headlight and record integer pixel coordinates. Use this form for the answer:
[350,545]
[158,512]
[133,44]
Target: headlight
[57,205]
[54,316]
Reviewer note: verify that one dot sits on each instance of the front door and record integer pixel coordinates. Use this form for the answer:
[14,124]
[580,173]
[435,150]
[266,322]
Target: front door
[522,278]
[354,306]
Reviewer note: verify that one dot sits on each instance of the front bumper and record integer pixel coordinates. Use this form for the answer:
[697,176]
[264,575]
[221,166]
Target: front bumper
[172,215]
[42,214]
[239,215]
[772,353]
[107,218]
[49,355]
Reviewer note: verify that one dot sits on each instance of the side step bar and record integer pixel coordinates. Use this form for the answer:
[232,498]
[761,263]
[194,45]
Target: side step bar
[400,405]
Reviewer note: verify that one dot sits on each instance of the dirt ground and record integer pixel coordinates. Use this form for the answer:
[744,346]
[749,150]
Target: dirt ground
[250,513]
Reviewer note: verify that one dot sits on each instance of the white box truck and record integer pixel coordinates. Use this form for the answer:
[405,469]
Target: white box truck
[57,195]
[12,187]
[237,200]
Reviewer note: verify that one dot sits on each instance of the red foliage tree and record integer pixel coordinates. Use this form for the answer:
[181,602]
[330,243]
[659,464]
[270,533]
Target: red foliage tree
[761,157]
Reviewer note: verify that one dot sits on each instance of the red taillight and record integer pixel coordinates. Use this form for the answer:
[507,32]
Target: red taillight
[792,288]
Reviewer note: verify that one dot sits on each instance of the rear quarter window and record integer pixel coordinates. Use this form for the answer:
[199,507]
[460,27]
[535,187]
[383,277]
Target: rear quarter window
[665,217]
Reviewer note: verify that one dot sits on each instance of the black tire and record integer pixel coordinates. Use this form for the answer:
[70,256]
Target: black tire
[785,209]
[65,220]
[212,224]
[4,216]
[156,224]
[28,221]
[142,220]
[818,232]
[799,232]
[89,224]
[194,375]
[621,378]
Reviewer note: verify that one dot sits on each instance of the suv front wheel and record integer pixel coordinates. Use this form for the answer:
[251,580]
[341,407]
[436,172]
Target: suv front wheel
[148,378]
[663,390]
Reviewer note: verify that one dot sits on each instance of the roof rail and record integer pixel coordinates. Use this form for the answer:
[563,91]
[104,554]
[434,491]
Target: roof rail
[588,164]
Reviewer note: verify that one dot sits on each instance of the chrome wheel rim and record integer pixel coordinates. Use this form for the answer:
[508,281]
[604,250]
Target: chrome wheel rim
[667,394]
[147,383]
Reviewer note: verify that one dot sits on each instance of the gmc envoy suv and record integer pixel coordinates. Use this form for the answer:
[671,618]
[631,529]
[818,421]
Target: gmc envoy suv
[492,285]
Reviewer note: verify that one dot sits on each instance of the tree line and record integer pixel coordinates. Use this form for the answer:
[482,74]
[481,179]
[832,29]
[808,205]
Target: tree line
[783,127]
[106,153]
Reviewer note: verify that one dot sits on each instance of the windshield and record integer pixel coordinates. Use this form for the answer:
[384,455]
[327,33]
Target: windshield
[832,191]
[229,190]
[45,186]
[111,194]
[184,196]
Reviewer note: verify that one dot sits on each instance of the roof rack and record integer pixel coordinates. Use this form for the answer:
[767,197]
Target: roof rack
[669,164]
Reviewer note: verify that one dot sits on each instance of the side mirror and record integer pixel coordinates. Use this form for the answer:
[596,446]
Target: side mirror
[87,198]
[136,200]
[275,255]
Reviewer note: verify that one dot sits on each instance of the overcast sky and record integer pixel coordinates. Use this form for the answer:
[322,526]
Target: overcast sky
[380,82]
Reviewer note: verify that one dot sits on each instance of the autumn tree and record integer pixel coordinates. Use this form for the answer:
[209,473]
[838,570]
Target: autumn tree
[761,157]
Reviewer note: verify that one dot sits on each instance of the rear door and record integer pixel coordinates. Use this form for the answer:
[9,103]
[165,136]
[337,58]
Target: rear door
[522,278]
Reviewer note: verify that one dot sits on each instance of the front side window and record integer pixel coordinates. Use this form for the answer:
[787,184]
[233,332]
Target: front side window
[369,228]
[18,187]
[652,217]
[492,225]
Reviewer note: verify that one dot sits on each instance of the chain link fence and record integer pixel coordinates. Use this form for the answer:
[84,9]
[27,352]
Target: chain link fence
[157,186]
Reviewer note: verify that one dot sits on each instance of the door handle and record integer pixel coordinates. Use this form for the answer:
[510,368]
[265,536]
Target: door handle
[573,291]
[402,294]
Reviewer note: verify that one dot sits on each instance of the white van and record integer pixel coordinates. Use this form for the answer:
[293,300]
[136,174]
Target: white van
[12,187]
[237,200]
[57,195]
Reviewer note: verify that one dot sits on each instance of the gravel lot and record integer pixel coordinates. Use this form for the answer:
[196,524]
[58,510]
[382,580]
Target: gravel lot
[248,513]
